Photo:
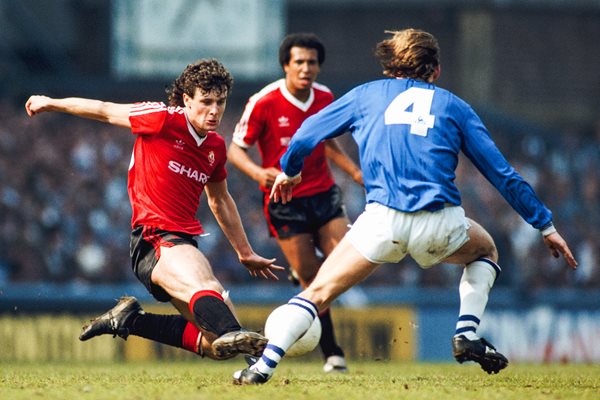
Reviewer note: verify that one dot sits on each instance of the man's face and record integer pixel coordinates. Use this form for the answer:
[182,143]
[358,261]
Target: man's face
[302,70]
[205,109]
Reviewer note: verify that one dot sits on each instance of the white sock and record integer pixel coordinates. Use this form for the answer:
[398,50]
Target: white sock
[475,284]
[297,316]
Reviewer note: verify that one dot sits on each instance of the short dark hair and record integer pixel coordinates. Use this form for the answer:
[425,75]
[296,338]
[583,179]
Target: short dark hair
[207,75]
[306,40]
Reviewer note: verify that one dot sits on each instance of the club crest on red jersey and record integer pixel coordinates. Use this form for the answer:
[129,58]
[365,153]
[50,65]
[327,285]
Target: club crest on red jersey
[211,157]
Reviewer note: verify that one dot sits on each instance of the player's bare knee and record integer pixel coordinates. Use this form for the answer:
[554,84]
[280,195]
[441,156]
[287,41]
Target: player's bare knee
[186,290]
[488,248]
[213,285]
[485,249]
[482,243]
[492,253]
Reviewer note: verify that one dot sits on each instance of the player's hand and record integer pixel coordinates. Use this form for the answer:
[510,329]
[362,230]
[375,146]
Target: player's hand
[282,188]
[558,246]
[266,176]
[260,267]
[37,104]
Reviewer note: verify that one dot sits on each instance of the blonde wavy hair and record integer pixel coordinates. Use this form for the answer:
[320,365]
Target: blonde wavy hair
[409,53]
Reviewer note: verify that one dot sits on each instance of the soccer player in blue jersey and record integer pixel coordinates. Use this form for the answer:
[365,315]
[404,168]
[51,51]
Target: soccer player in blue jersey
[409,133]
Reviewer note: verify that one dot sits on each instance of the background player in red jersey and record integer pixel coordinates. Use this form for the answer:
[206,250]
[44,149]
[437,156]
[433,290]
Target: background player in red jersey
[177,154]
[315,219]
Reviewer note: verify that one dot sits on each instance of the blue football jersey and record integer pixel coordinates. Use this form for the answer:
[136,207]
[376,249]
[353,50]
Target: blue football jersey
[409,135]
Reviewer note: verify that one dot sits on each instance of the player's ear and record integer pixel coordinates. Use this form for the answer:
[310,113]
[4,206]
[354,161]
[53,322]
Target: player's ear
[436,73]
[186,99]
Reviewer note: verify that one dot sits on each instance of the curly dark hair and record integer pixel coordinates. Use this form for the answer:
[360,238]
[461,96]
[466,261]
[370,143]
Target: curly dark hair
[207,75]
[305,40]
[410,53]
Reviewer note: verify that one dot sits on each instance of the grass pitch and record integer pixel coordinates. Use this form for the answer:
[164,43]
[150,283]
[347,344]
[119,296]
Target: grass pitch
[206,379]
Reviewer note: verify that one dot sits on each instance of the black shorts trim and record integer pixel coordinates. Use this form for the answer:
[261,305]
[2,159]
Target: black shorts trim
[303,214]
[144,249]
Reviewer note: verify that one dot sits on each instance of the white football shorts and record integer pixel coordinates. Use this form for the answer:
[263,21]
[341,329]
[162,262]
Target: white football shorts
[384,235]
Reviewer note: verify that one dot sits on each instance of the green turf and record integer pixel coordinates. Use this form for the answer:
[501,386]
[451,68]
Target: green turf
[207,379]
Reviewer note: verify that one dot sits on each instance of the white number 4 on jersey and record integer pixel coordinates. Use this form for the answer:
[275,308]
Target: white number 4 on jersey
[419,118]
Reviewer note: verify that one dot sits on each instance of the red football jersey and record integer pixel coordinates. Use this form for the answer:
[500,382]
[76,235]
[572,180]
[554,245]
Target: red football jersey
[271,117]
[169,167]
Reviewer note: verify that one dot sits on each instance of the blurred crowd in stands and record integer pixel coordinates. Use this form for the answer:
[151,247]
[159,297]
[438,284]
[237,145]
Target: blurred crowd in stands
[65,215]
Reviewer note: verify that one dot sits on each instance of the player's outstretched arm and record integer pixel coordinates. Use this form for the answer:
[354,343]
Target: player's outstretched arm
[558,246]
[104,111]
[225,211]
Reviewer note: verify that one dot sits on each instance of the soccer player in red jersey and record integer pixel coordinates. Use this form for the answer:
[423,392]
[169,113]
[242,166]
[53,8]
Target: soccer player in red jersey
[315,221]
[176,156]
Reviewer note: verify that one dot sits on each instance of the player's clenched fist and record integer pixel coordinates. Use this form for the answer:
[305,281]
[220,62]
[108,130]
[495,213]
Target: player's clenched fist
[37,104]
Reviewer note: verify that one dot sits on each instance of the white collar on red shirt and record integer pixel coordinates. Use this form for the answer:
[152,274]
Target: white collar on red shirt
[199,139]
[304,106]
